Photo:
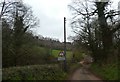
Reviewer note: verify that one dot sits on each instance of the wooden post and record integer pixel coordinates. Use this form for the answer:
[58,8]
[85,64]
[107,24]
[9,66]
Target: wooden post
[65,65]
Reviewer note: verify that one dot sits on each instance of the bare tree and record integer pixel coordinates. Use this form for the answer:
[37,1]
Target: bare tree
[9,10]
[107,24]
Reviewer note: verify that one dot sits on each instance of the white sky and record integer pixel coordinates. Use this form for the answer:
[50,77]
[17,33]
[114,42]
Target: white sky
[51,14]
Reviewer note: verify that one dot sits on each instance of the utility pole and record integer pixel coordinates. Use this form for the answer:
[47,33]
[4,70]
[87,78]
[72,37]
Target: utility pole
[65,63]
[119,10]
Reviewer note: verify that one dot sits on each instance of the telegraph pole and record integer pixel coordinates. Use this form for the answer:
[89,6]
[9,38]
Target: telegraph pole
[65,65]
[119,10]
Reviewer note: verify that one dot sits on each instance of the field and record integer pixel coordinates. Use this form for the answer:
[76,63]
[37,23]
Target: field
[55,53]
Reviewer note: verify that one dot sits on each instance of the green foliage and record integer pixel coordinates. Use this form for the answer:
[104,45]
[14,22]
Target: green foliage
[78,55]
[32,55]
[28,55]
[107,72]
[34,72]
[55,53]
[69,55]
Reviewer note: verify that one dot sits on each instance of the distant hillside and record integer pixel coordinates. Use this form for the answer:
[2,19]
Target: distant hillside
[52,43]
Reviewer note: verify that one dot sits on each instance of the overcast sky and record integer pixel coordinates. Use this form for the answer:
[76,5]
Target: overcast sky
[51,14]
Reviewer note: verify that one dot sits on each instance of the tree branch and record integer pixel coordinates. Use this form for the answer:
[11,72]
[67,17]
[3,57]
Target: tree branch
[25,29]
[2,9]
[111,15]
[80,13]
[76,10]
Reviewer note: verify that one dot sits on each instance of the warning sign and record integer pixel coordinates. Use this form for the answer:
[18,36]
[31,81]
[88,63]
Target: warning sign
[61,56]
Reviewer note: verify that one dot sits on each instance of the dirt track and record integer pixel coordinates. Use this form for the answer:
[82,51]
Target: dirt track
[83,74]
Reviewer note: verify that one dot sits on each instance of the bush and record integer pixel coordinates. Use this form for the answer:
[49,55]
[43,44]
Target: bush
[34,72]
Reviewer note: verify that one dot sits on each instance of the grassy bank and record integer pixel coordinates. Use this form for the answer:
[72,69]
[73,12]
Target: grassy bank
[106,72]
[34,72]
[28,55]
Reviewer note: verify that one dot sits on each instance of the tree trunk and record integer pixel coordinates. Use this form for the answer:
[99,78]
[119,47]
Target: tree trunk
[106,33]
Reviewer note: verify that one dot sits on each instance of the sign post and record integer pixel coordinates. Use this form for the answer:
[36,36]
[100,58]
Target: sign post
[61,59]
[62,55]
[65,65]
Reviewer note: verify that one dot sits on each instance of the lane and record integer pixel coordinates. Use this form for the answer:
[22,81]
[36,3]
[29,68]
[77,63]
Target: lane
[83,74]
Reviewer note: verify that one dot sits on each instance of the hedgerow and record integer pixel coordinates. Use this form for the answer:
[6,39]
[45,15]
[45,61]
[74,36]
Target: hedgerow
[33,72]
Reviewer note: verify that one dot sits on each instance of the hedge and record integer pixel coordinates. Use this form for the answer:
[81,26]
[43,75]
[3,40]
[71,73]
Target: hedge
[34,72]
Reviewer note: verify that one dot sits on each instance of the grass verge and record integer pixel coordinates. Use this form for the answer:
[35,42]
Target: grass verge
[106,72]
